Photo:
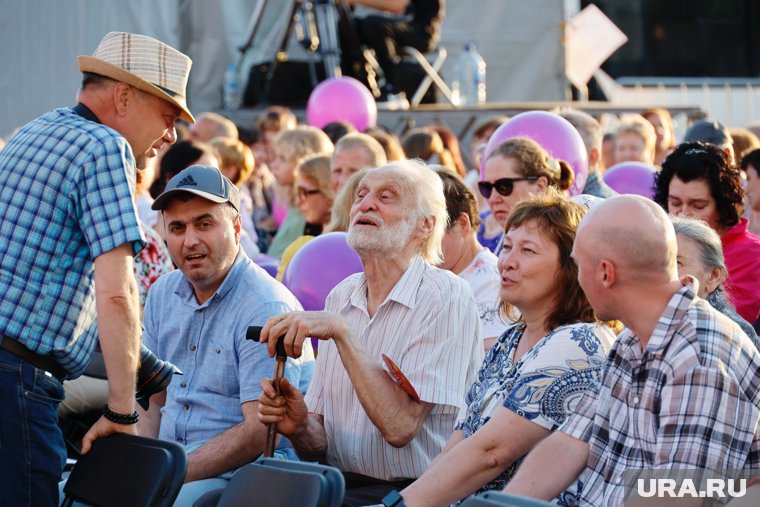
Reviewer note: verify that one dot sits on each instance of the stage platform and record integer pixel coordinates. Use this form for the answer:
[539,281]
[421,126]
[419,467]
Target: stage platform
[462,119]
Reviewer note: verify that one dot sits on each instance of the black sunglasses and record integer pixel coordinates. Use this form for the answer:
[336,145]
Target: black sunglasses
[504,186]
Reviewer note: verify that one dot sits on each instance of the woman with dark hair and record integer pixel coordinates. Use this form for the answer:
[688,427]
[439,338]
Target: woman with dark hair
[699,180]
[536,372]
[515,169]
[464,256]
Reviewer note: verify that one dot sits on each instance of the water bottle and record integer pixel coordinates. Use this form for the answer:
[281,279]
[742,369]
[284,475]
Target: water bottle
[469,85]
[231,88]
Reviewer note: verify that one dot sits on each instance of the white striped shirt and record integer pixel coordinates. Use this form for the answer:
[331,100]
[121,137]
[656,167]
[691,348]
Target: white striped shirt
[428,325]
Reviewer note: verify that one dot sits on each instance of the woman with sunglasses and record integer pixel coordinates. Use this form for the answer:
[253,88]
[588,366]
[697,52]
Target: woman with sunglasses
[314,197]
[516,169]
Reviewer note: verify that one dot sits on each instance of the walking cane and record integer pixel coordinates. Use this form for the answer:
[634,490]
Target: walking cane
[253,333]
[279,370]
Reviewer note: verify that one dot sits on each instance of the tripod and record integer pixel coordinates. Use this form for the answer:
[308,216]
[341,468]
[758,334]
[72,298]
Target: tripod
[315,25]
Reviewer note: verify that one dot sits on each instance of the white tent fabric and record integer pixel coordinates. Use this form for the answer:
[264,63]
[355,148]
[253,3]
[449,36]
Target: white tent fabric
[40,39]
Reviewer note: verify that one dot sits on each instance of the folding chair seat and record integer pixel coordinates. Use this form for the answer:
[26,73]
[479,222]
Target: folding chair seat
[127,471]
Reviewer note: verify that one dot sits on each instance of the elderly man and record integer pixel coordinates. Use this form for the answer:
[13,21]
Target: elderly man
[197,318]
[69,231]
[211,125]
[354,152]
[355,416]
[679,389]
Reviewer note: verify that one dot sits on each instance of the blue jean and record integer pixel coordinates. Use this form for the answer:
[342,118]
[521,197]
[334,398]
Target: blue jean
[32,450]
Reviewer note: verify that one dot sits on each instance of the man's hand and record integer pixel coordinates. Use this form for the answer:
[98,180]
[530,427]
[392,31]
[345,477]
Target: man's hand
[287,411]
[298,327]
[103,427]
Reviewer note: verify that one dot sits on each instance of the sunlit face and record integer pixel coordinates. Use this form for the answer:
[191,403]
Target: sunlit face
[150,126]
[664,134]
[753,187]
[528,264]
[282,165]
[314,205]
[690,263]
[382,216]
[203,130]
[344,163]
[202,239]
[506,167]
[631,148]
[693,199]
[587,275]
[453,244]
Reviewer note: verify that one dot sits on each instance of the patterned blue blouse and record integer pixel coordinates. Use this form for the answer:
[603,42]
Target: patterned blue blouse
[543,386]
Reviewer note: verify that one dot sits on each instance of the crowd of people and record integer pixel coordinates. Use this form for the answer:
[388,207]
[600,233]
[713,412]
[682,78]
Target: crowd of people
[549,342]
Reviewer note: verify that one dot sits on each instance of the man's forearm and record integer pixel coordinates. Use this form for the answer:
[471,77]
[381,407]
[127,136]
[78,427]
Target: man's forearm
[311,443]
[232,449]
[550,468]
[118,325]
[388,406]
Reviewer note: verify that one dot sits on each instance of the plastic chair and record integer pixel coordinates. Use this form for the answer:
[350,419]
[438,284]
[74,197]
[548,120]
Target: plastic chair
[274,482]
[496,499]
[432,75]
[125,471]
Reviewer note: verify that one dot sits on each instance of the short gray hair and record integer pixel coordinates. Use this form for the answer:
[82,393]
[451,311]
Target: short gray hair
[373,149]
[706,239]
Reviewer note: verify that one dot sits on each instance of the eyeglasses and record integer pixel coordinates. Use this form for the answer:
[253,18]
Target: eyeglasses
[504,186]
[304,193]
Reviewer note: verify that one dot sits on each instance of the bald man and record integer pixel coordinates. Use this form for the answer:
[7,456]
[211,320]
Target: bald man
[353,152]
[679,389]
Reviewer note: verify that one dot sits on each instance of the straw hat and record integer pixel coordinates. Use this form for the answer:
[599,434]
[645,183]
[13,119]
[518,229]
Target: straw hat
[145,63]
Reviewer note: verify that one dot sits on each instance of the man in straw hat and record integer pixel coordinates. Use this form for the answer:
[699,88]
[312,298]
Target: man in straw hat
[69,231]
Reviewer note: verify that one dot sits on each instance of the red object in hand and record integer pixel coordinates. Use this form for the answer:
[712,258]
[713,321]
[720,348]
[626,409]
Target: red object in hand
[400,378]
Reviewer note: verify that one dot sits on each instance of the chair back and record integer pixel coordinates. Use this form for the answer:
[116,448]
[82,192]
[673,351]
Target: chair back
[273,482]
[497,499]
[127,471]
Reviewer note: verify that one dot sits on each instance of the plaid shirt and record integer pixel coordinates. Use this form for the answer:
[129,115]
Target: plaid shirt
[689,401]
[65,198]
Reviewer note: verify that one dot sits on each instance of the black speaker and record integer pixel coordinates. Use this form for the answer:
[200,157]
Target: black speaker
[290,85]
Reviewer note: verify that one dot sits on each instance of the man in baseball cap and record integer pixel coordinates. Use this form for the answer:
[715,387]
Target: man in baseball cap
[70,230]
[197,317]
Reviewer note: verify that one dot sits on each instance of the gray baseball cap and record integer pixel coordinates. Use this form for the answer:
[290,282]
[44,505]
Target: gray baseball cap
[203,181]
[709,131]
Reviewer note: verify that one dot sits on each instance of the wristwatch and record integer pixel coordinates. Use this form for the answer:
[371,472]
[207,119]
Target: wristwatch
[393,499]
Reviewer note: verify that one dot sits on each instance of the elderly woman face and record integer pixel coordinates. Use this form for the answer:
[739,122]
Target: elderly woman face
[690,263]
[528,265]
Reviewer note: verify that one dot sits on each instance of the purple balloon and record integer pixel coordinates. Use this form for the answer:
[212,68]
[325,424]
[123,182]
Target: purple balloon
[318,267]
[555,134]
[341,98]
[631,178]
[270,267]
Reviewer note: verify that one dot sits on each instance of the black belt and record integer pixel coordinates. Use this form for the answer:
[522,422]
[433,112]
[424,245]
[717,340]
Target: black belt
[46,363]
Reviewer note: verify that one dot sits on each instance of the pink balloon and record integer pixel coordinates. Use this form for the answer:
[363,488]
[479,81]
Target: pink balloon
[631,178]
[341,98]
[318,267]
[555,134]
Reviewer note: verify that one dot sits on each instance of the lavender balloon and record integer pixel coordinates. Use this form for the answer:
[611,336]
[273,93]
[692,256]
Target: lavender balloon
[631,178]
[341,98]
[554,134]
[318,267]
